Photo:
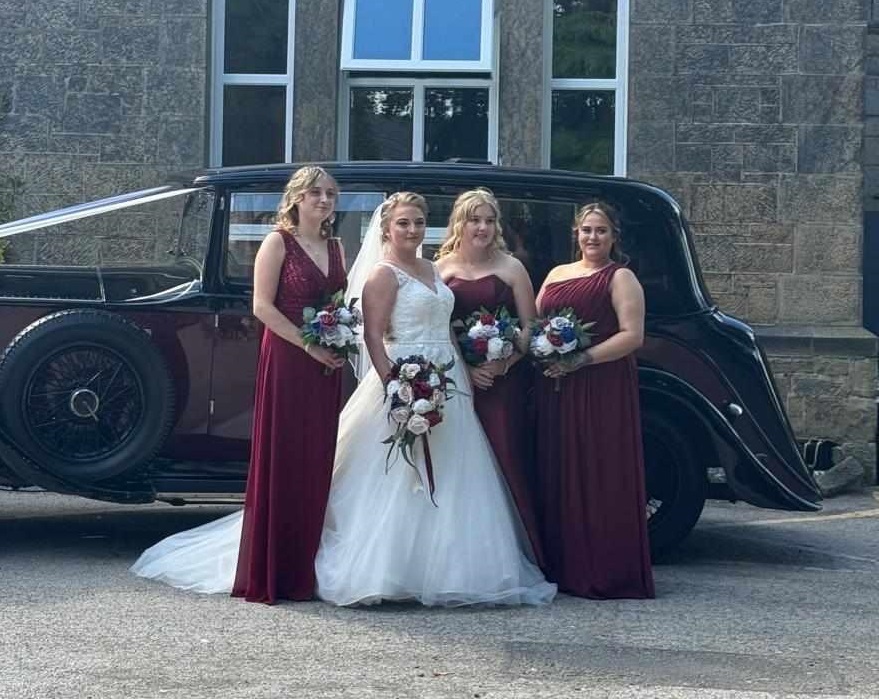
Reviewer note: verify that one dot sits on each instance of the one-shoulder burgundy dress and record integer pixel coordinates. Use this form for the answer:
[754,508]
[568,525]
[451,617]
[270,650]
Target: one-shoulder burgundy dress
[590,460]
[295,420]
[503,409]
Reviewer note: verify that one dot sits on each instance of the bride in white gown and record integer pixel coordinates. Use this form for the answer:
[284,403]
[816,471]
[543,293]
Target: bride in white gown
[383,538]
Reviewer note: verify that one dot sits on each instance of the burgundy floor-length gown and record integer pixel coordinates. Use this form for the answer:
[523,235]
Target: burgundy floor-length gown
[502,409]
[295,420]
[590,460]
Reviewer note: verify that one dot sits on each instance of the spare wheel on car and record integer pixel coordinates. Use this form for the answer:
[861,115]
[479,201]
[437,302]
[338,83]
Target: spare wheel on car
[86,395]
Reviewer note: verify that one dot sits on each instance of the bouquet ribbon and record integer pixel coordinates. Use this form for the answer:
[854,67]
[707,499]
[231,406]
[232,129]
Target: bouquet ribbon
[427,477]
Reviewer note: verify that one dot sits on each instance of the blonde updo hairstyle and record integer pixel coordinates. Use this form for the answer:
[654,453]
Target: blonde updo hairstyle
[395,200]
[612,217]
[464,207]
[300,182]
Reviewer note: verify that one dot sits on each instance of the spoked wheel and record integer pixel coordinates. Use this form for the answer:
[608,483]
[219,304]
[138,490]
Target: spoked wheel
[675,484]
[83,402]
[86,395]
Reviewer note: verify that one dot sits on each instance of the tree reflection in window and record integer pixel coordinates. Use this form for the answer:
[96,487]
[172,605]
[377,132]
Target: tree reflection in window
[583,130]
[455,123]
[381,124]
[584,38]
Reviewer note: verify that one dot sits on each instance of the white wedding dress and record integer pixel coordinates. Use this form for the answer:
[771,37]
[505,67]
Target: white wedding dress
[383,539]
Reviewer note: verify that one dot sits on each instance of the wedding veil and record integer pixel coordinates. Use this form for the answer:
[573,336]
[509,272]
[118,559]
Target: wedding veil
[371,252]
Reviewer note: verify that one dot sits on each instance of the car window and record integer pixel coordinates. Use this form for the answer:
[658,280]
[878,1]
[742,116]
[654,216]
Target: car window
[114,250]
[539,233]
[536,232]
[252,217]
[657,251]
[195,227]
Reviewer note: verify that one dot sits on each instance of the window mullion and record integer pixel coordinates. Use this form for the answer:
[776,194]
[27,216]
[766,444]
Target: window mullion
[493,106]
[418,117]
[291,68]
[344,112]
[546,115]
[621,103]
[485,40]
[418,30]
[219,43]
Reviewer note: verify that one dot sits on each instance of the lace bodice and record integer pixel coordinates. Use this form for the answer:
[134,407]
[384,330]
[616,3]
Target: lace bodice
[420,319]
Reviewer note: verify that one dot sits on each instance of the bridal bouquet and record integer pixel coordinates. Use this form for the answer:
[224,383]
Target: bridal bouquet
[485,336]
[333,325]
[417,390]
[559,337]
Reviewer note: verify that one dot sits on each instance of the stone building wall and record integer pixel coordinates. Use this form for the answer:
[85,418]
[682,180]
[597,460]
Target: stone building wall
[752,114]
[98,97]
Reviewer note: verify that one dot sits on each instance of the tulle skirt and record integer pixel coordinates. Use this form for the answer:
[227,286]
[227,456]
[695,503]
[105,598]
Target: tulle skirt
[202,559]
[383,538]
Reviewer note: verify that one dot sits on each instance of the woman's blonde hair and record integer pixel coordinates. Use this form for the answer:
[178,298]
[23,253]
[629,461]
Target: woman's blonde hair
[612,217]
[300,182]
[395,200]
[464,207]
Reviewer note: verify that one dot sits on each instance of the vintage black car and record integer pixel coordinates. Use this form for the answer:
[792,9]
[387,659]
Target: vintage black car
[130,348]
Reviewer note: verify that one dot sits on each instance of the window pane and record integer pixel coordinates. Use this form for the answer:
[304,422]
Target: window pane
[253,125]
[380,124]
[455,123]
[383,29]
[583,130]
[584,37]
[452,30]
[256,36]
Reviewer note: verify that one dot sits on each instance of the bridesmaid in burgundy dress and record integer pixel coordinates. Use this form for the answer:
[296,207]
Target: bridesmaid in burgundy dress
[474,262]
[297,402]
[592,498]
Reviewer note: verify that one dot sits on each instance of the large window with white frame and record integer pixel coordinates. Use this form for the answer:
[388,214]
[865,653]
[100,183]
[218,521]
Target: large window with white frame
[418,80]
[587,67]
[252,88]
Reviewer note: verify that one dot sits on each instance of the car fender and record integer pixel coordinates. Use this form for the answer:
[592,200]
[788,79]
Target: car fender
[747,476]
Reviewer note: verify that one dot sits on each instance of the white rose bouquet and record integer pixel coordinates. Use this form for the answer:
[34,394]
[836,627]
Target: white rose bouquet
[417,390]
[334,325]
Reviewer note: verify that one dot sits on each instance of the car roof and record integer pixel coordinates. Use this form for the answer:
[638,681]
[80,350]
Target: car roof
[467,172]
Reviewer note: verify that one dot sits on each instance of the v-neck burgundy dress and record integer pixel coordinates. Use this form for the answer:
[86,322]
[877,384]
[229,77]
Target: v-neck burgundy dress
[503,409]
[590,460]
[295,420]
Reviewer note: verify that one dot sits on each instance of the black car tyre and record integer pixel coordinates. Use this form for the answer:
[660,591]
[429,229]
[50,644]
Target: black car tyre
[676,485]
[86,395]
